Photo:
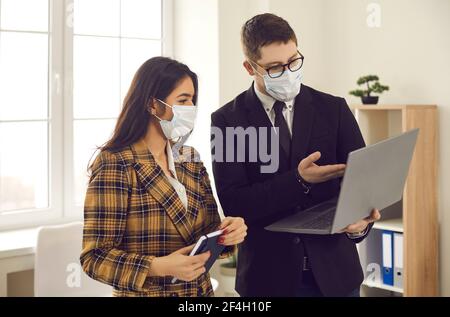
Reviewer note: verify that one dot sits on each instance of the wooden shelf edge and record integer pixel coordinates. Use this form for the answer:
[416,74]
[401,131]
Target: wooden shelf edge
[389,107]
[383,286]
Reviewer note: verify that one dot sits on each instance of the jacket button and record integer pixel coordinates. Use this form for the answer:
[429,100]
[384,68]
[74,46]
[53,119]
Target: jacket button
[296,240]
[199,291]
[174,294]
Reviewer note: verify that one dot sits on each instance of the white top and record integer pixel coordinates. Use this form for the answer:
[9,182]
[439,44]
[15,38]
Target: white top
[268,102]
[179,188]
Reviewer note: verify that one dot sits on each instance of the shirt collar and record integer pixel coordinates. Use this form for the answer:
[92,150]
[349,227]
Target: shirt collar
[170,160]
[268,101]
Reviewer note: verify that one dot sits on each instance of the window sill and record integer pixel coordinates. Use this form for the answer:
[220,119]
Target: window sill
[18,242]
[22,241]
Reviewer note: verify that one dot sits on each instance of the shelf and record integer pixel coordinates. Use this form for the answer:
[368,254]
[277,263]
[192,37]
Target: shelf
[383,286]
[390,107]
[395,224]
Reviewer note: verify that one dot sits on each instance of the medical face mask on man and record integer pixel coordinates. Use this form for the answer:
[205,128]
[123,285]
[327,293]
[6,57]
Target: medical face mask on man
[182,122]
[283,88]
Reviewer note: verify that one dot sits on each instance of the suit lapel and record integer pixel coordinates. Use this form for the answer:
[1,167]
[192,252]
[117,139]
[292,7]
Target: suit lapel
[256,114]
[302,125]
[154,181]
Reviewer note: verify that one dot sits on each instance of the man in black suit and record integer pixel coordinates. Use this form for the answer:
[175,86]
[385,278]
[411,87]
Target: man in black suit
[314,134]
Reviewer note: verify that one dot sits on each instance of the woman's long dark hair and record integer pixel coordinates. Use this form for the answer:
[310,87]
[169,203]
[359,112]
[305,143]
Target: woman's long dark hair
[156,78]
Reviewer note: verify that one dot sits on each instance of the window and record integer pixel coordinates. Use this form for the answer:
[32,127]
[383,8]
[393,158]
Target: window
[24,120]
[65,67]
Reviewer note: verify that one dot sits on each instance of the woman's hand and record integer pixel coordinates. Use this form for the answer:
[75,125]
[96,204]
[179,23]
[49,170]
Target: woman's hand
[180,265]
[234,231]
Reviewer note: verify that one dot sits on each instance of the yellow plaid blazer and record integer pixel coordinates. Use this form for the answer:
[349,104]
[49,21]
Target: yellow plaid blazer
[133,214]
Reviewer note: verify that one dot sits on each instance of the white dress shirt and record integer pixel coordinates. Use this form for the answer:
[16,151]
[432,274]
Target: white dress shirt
[268,102]
[179,188]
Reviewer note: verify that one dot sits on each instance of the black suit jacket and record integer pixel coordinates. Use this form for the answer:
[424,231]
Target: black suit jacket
[269,263]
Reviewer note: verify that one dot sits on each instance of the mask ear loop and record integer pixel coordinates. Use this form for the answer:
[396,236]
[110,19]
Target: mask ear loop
[254,68]
[162,103]
[166,104]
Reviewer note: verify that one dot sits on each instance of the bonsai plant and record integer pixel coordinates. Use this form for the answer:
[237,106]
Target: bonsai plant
[375,87]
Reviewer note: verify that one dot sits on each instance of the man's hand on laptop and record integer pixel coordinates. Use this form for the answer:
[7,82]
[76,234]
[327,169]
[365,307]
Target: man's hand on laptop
[313,173]
[362,224]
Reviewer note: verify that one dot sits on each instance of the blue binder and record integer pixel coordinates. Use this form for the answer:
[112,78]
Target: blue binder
[388,255]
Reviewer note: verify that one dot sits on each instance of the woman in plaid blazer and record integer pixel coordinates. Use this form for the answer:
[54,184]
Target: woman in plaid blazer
[145,205]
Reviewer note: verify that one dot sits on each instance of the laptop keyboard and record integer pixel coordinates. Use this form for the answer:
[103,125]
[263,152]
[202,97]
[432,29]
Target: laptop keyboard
[323,221]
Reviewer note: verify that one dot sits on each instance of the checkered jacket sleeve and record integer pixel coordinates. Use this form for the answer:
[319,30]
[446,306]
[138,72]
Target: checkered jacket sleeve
[105,213]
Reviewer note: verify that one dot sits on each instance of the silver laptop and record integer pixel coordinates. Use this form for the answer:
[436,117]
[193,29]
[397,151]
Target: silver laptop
[374,178]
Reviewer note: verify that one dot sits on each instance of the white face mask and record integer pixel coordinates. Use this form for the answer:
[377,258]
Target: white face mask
[284,88]
[181,124]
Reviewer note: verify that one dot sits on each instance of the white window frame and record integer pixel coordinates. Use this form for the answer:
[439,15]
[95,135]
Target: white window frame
[62,206]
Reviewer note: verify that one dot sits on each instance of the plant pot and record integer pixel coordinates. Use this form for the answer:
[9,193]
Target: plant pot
[369,100]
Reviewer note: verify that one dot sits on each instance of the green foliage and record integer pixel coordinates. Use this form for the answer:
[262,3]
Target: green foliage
[379,88]
[357,93]
[365,79]
[374,87]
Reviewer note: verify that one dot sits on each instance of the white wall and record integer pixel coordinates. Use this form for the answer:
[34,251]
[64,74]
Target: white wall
[410,52]
[196,44]
[233,78]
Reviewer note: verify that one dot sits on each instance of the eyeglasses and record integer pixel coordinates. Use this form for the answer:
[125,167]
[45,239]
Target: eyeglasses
[278,70]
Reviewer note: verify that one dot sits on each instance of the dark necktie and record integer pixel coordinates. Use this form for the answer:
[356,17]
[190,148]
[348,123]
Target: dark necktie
[283,130]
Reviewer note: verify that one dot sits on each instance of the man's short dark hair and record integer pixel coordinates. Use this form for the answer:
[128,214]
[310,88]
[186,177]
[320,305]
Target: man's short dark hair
[262,30]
